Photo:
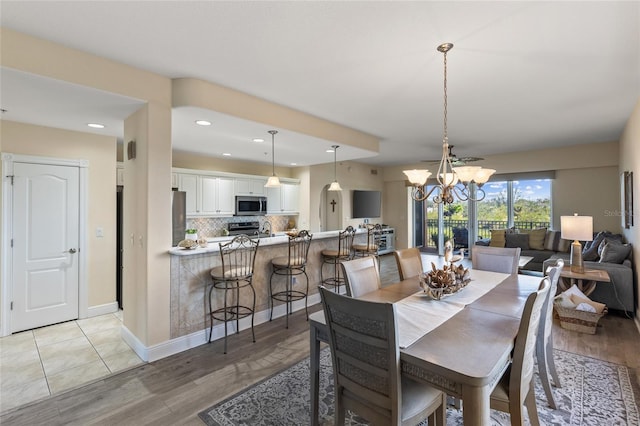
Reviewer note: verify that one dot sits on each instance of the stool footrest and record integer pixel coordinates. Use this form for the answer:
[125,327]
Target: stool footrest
[231,313]
[289,296]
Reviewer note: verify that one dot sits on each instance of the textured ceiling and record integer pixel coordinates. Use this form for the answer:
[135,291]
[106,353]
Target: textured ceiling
[522,75]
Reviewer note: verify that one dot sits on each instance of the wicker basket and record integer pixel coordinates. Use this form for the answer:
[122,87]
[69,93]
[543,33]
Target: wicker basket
[581,321]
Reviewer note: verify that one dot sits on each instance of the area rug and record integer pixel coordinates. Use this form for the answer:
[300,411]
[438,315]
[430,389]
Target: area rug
[593,392]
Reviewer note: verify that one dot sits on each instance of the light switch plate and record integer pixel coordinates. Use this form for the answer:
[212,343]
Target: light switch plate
[99,232]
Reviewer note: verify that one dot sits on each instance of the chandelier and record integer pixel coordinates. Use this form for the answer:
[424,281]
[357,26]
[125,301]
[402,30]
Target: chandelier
[448,176]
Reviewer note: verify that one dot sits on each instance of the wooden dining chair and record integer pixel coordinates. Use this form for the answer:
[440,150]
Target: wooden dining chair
[495,259]
[361,275]
[515,388]
[363,337]
[409,262]
[544,344]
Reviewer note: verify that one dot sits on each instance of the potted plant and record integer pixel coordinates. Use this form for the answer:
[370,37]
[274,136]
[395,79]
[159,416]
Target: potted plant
[191,234]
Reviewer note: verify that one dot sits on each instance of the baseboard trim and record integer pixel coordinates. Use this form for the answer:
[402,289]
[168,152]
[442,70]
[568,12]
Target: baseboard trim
[197,338]
[107,308]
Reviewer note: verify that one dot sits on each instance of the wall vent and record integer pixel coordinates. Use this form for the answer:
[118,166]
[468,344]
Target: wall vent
[374,171]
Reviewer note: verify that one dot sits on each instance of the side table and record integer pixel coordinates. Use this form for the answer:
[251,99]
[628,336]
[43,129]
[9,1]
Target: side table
[586,281]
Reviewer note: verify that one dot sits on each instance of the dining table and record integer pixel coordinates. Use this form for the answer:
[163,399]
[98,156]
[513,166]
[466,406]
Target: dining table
[460,344]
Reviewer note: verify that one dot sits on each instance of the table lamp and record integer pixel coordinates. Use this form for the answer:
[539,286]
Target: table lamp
[576,228]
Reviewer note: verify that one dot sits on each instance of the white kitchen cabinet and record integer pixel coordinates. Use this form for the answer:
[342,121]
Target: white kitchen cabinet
[189,184]
[207,195]
[250,186]
[174,180]
[284,199]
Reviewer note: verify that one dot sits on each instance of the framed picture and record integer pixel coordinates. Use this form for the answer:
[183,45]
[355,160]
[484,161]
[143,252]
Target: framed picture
[627,199]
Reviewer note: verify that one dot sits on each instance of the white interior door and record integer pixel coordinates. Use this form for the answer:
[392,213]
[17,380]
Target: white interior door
[45,211]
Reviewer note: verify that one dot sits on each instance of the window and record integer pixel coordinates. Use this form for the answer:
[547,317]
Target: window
[512,202]
[531,203]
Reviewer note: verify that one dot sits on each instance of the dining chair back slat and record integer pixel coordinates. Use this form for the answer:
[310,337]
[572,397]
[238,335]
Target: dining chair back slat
[363,337]
[409,262]
[361,275]
[515,389]
[495,259]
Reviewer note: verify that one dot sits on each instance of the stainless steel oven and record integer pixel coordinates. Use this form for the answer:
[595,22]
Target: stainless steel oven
[251,206]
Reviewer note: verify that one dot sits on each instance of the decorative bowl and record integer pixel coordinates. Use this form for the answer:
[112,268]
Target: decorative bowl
[188,244]
[438,283]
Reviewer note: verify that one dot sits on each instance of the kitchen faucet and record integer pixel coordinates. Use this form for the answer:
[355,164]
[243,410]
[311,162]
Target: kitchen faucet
[266,228]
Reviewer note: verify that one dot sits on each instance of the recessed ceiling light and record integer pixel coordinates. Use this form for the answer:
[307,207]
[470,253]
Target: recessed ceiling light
[258,140]
[203,123]
[226,154]
[96,125]
[294,164]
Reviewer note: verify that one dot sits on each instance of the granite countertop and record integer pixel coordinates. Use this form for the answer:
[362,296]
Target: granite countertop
[278,238]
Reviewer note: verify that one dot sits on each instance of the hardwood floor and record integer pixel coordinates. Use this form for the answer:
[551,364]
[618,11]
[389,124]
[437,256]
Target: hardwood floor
[173,390]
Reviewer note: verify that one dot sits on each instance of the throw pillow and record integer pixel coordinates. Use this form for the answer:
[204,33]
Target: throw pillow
[553,242]
[536,238]
[614,253]
[606,241]
[590,251]
[517,240]
[497,238]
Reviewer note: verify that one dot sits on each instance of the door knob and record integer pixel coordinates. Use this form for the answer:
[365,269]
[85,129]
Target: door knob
[72,250]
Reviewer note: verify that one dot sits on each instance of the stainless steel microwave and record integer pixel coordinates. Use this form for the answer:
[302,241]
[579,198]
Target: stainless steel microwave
[251,206]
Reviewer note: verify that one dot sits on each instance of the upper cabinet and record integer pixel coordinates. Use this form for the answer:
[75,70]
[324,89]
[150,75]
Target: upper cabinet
[211,194]
[207,195]
[284,199]
[250,186]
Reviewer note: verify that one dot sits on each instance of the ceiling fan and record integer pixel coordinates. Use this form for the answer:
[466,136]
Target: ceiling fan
[455,160]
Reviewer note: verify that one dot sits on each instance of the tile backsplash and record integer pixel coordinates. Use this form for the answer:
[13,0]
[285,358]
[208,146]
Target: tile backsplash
[209,227]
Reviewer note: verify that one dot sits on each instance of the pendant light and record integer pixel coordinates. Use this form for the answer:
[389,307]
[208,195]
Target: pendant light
[335,186]
[273,181]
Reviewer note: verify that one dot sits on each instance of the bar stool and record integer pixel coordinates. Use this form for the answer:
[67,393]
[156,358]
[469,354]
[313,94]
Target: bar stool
[290,266]
[335,257]
[373,242]
[235,272]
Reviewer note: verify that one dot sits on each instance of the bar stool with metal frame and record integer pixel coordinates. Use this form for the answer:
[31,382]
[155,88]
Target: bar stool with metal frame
[335,257]
[235,272]
[373,242]
[289,266]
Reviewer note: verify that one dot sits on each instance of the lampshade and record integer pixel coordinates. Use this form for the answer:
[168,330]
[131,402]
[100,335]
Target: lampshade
[272,182]
[417,177]
[335,186]
[483,175]
[449,178]
[466,173]
[578,228]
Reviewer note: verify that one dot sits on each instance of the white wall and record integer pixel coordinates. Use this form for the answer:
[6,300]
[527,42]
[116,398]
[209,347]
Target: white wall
[586,182]
[100,151]
[630,161]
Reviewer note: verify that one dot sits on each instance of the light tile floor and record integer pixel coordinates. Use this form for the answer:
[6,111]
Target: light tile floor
[37,363]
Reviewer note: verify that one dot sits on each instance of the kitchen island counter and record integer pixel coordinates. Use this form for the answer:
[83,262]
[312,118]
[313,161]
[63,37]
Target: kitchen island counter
[191,279]
[279,238]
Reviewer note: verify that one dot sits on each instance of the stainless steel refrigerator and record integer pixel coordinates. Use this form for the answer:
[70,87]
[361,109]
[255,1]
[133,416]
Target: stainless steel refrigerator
[179,216]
